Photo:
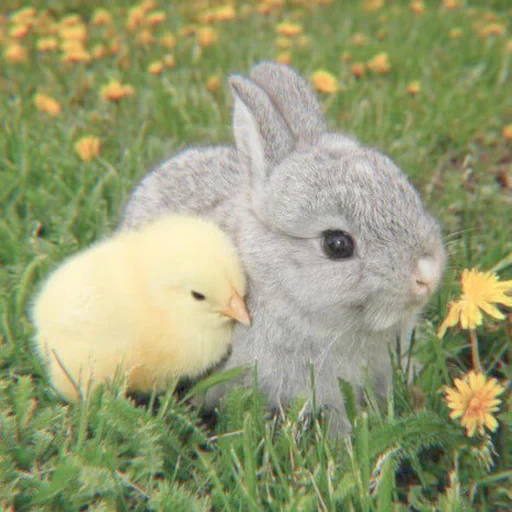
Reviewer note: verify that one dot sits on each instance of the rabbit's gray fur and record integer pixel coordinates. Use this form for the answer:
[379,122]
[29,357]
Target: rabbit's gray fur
[288,180]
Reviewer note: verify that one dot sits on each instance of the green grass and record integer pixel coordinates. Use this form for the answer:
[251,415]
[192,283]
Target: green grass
[110,454]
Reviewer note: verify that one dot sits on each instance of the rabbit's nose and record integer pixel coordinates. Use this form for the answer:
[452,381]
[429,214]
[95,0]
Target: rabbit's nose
[425,276]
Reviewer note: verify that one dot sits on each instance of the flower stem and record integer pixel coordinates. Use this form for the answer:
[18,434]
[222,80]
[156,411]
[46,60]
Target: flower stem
[474,350]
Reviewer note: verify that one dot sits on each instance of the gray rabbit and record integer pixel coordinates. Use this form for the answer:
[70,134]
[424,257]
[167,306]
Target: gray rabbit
[340,252]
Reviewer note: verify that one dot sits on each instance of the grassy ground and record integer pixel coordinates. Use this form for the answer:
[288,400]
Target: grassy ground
[450,137]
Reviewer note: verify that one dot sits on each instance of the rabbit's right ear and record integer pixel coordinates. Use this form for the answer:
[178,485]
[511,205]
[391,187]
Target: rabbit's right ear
[294,99]
[261,134]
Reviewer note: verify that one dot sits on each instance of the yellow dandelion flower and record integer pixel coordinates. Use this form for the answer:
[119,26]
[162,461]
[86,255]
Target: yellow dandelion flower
[284,43]
[346,57]
[76,32]
[78,54]
[418,7]
[455,33]
[145,37]
[206,36]
[358,69]
[156,17]
[47,105]
[99,51]
[156,67]
[23,15]
[289,29]
[373,5]
[70,20]
[474,400]
[168,40]
[507,132]
[225,13]
[325,81]
[88,148]
[284,58]
[47,44]
[136,16]
[207,17]
[381,34]
[452,4]
[15,53]
[413,88]
[19,31]
[101,17]
[115,47]
[115,91]
[213,83]
[147,5]
[187,30]
[380,64]
[480,291]
[359,39]
[169,61]
[493,29]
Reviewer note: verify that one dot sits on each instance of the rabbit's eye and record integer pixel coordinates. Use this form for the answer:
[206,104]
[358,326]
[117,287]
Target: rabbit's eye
[338,244]
[198,296]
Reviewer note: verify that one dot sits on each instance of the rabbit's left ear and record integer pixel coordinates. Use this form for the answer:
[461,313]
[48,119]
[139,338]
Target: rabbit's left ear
[261,135]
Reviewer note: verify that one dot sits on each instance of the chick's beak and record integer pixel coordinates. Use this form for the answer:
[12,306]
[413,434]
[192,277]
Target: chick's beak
[237,310]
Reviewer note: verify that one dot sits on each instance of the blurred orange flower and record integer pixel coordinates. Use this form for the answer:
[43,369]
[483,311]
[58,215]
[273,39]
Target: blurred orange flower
[19,31]
[373,5]
[493,29]
[507,132]
[99,51]
[283,43]
[284,58]
[413,88]
[225,13]
[47,44]
[417,6]
[136,16]
[455,33]
[145,37]
[213,83]
[289,29]
[451,4]
[168,40]
[358,69]
[23,14]
[325,81]
[156,67]
[70,20]
[78,54]
[88,147]
[380,63]
[15,53]
[206,36]
[156,17]
[115,90]
[101,17]
[359,39]
[76,32]
[169,60]
[47,104]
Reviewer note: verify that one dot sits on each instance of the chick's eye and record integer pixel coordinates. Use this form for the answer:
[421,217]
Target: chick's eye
[338,244]
[198,296]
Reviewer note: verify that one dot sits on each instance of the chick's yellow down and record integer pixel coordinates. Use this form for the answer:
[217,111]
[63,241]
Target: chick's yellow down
[159,301]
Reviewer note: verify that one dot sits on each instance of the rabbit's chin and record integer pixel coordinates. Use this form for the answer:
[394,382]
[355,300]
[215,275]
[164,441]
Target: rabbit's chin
[382,319]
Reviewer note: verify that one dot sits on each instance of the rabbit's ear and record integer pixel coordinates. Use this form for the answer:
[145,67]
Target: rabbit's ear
[261,135]
[294,99]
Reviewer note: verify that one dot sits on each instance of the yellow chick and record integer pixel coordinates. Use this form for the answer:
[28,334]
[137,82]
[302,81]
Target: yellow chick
[160,301]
